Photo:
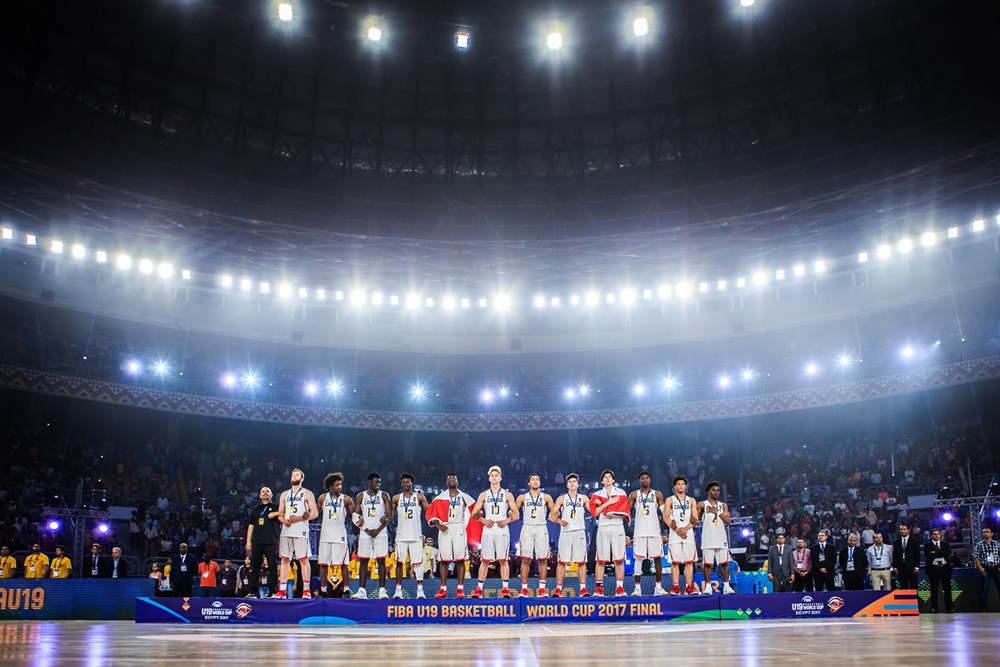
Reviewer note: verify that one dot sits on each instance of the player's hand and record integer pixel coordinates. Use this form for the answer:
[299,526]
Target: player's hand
[489,524]
[771,577]
[562,522]
[443,527]
[359,523]
[249,549]
[502,523]
[823,570]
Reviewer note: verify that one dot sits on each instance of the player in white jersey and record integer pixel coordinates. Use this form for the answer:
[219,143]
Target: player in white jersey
[535,506]
[610,531]
[450,512]
[495,509]
[372,514]
[409,534]
[570,512]
[680,513]
[334,551]
[296,508]
[715,536]
[647,544]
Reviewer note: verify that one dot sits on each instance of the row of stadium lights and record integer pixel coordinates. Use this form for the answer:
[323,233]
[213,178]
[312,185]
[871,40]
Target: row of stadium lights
[250,379]
[124,263]
[374,29]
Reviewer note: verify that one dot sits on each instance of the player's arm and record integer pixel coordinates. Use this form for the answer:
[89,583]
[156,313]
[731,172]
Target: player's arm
[631,500]
[422,503]
[311,504]
[390,510]
[549,503]
[477,511]
[699,507]
[360,521]
[519,503]
[659,501]
[695,515]
[514,514]
[554,513]
[281,509]
[249,535]
[724,514]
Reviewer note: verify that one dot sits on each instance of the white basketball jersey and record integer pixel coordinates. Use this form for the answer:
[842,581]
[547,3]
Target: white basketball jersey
[295,505]
[333,527]
[372,511]
[647,518]
[572,512]
[495,507]
[713,531]
[680,510]
[408,519]
[535,512]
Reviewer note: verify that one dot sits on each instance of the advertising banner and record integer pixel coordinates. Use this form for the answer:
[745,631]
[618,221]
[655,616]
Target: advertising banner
[814,605]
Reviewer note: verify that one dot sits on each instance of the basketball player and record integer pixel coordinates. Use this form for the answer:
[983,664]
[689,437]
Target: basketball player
[680,514]
[568,512]
[450,512]
[495,509]
[608,505]
[647,544]
[296,508]
[374,512]
[409,536]
[714,536]
[333,548]
[536,506]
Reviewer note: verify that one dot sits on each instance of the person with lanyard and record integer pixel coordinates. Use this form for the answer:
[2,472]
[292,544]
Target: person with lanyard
[245,579]
[536,505]
[93,566]
[906,558]
[8,564]
[410,507]
[296,508]
[450,513]
[36,565]
[824,562]
[182,571]
[495,508]
[715,537]
[569,513]
[802,562]
[680,513]
[609,505]
[853,563]
[262,541]
[372,515]
[937,560]
[62,568]
[117,567]
[987,556]
[646,541]
[334,552]
[880,564]
[779,566]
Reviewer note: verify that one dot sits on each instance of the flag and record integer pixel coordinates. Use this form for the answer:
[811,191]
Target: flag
[438,510]
[618,508]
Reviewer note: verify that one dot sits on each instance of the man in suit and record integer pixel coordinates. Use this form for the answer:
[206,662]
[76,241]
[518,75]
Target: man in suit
[853,564]
[824,563]
[94,566]
[183,568]
[937,560]
[906,558]
[779,566]
[117,567]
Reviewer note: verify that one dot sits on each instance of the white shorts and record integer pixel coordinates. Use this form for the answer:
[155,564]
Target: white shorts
[718,556]
[647,547]
[572,546]
[452,544]
[415,550]
[610,544]
[496,544]
[373,547]
[534,542]
[682,552]
[294,547]
[333,553]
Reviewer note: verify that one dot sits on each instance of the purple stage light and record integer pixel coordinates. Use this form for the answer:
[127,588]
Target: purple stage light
[54,525]
[103,528]
[745,532]
[947,516]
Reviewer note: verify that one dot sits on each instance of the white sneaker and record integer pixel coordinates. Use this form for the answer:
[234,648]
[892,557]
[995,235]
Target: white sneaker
[382,595]
[637,591]
[727,589]
[360,595]
[659,590]
[398,595]
[420,594]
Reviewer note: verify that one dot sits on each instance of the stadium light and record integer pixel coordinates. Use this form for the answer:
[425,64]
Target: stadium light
[229,380]
[78,251]
[759,278]
[947,516]
[663,291]
[748,374]
[285,11]
[338,295]
[670,383]
[640,26]
[584,390]
[724,381]
[377,298]
[160,367]
[819,266]
[265,287]
[186,274]
[570,393]
[487,396]
[862,257]
[884,251]
[358,297]
[466,303]
[393,300]
[123,262]
[628,296]
[56,247]
[905,245]
[448,302]
[429,302]
[927,239]
[333,387]
[165,270]
[132,366]
[374,33]
[54,525]
[844,360]
[554,40]
[103,528]
[812,369]
[462,40]
[592,298]
[412,301]
[684,290]
[799,270]
[741,282]
[8,234]
[101,256]
[311,388]
[907,352]
[418,392]
[978,225]
[555,302]
[574,299]
[504,392]
[721,285]
[284,290]
[953,232]
[779,274]
[226,281]
[703,288]
[482,302]
[250,380]
[501,302]
[539,301]
[609,297]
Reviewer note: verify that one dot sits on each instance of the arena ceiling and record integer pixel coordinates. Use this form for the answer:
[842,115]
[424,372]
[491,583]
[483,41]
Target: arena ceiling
[726,134]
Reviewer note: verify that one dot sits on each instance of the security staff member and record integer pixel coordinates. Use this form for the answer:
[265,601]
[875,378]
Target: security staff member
[262,539]
[183,568]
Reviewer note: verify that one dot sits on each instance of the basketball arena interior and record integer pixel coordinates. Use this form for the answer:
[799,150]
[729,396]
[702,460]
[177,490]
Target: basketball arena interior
[741,257]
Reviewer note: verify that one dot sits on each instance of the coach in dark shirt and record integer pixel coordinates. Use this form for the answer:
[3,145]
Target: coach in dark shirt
[262,538]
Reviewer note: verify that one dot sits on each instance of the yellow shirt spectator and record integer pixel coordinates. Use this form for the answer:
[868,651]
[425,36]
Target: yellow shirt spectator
[7,565]
[36,566]
[62,568]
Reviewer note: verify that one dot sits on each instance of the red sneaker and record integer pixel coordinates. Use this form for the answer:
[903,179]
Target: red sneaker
[584,593]
[280,595]
[599,590]
[307,595]
[505,592]
[557,593]
[478,593]
[542,593]
[690,590]
[524,592]
[460,593]
[443,593]
[676,590]
[619,591]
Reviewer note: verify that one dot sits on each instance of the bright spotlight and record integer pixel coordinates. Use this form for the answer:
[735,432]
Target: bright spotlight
[570,393]
[333,387]
[466,302]
[375,33]
[103,528]
[812,369]
[592,298]
[609,297]
[724,381]
[487,396]
[663,291]
[229,380]
[504,392]
[56,247]
[905,245]
[418,392]
[285,12]
[554,40]
[721,285]
[412,301]
[311,389]
[779,274]
[101,256]
[8,234]
[978,225]
[502,302]
[746,531]
[862,257]
[54,525]
[907,352]
[953,232]
[819,266]
[927,239]
[132,366]
[669,383]
[684,290]
[160,367]
[145,266]
[250,380]
[539,301]
[186,274]
[78,251]
[448,302]
[303,292]
[628,296]
[741,282]
[747,374]
[884,251]
[947,516]
[640,26]
[358,297]
[462,40]
[799,270]
[584,390]
[165,270]
[996,513]
[284,290]
[123,262]
[265,287]
[226,281]
[844,360]
[377,298]
[639,389]
[759,278]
